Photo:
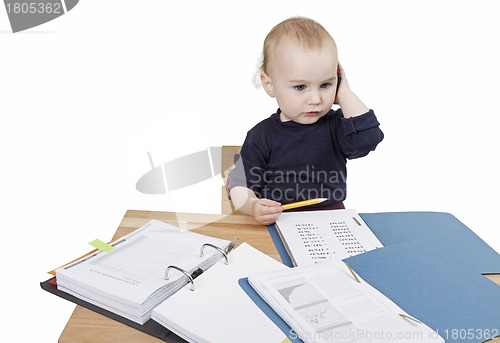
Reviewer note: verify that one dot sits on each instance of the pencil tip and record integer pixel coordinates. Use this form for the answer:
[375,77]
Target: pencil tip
[322,199]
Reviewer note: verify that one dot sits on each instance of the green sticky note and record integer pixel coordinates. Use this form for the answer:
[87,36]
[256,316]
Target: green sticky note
[98,244]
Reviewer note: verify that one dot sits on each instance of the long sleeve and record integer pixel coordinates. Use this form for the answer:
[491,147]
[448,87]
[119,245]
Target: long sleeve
[359,135]
[250,168]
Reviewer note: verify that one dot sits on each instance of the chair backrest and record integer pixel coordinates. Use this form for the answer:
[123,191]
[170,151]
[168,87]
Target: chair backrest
[229,154]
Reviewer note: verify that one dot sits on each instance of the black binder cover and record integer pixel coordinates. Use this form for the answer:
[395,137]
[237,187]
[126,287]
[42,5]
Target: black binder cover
[151,327]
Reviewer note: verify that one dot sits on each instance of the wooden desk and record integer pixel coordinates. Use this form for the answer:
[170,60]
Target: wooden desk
[87,326]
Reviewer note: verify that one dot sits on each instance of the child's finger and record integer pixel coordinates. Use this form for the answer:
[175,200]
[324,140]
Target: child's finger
[270,203]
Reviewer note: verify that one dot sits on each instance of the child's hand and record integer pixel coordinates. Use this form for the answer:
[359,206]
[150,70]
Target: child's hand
[350,104]
[266,211]
[343,87]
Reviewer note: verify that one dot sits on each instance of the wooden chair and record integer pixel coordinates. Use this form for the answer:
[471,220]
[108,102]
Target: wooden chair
[229,152]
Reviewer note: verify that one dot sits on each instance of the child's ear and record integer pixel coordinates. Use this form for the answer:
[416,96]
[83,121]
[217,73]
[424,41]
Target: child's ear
[267,83]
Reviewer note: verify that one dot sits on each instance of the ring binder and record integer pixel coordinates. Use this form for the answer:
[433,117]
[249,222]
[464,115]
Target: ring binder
[139,253]
[182,271]
[215,247]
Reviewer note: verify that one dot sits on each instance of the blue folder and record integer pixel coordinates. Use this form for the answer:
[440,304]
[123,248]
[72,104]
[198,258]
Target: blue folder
[431,266]
[428,283]
[442,229]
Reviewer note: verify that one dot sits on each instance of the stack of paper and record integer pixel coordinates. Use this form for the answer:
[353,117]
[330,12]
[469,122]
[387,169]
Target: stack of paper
[130,279]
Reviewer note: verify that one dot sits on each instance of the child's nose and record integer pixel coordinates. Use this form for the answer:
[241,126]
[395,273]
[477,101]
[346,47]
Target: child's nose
[314,98]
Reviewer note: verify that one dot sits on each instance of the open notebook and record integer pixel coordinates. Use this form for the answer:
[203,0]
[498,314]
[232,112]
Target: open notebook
[327,302]
[219,310]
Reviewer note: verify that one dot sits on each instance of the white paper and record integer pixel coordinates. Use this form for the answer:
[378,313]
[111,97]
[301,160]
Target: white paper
[219,310]
[315,236]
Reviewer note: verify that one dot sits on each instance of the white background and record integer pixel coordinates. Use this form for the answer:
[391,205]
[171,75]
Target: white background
[84,98]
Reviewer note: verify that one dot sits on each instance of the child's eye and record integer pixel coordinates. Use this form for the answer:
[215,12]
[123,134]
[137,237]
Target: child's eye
[300,87]
[326,85]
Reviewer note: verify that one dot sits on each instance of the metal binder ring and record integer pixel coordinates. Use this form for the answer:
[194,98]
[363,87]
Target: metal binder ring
[215,247]
[182,271]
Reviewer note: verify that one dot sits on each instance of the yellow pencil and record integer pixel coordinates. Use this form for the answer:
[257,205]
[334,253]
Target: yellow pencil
[303,203]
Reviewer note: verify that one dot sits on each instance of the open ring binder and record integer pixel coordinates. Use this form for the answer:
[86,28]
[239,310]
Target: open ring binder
[182,271]
[215,247]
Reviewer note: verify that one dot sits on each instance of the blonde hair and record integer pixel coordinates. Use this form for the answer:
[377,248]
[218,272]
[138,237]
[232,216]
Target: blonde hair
[303,31]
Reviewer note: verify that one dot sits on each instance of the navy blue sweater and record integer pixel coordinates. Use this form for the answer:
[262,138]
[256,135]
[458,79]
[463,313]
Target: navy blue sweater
[288,161]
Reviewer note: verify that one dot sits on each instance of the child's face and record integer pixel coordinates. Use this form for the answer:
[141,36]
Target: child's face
[303,82]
